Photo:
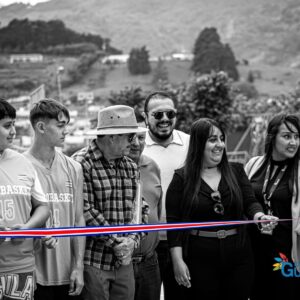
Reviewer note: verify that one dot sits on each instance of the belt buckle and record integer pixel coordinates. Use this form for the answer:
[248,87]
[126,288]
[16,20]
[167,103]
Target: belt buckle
[137,259]
[221,234]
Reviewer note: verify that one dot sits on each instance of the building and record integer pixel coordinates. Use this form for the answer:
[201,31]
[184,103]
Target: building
[32,58]
[113,59]
[183,56]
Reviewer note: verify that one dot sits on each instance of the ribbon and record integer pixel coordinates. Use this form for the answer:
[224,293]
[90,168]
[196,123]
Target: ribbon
[105,230]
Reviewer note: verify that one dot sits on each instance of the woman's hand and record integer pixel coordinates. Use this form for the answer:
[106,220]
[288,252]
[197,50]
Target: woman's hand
[269,225]
[182,274]
[266,226]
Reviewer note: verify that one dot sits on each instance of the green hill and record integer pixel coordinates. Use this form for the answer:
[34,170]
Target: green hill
[257,30]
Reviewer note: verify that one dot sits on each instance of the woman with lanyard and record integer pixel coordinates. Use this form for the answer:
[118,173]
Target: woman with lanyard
[212,263]
[275,180]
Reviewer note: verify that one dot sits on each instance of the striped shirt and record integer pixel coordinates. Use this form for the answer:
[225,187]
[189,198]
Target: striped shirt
[108,192]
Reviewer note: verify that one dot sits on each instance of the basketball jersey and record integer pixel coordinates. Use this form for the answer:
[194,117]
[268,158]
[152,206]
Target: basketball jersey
[63,186]
[18,183]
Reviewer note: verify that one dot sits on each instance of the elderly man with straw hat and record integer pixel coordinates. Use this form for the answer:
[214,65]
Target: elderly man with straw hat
[110,188]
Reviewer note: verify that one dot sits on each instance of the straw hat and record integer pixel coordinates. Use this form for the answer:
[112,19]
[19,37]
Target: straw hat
[116,119]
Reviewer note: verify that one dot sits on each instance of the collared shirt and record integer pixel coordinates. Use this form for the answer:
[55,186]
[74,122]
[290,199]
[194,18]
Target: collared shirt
[168,159]
[108,192]
[152,194]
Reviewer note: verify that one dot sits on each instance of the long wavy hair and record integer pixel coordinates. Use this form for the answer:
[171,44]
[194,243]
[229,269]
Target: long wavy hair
[200,132]
[272,131]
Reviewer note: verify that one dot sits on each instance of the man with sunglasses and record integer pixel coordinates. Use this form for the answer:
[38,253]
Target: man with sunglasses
[168,148]
[110,184]
[22,206]
[59,262]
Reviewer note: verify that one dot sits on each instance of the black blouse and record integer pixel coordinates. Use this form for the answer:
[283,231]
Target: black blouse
[203,210]
[281,199]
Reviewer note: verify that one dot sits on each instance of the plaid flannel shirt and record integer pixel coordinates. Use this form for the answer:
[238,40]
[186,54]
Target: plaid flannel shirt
[109,193]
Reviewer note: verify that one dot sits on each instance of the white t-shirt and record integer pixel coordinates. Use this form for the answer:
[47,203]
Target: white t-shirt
[168,159]
[63,187]
[18,184]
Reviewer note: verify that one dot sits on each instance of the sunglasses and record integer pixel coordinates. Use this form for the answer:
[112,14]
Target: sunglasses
[158,115]
[218,206]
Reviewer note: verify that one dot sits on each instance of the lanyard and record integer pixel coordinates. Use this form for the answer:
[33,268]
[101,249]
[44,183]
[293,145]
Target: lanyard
[266,195]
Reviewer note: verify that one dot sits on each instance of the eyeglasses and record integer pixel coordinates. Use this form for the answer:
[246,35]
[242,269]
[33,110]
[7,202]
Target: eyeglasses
[218,206]
[158,115]
[130,136]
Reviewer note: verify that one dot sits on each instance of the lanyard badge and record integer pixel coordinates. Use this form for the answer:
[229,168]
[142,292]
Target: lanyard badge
[267,196]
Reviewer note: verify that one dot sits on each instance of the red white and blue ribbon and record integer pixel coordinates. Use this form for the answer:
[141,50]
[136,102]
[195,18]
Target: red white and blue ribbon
[106,230]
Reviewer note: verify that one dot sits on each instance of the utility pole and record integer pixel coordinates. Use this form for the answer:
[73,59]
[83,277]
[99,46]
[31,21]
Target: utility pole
[59,71]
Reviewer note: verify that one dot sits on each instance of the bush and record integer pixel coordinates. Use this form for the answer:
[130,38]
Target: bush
[76,72]
[133,97]
[25,85]
[72,49]
[160,74]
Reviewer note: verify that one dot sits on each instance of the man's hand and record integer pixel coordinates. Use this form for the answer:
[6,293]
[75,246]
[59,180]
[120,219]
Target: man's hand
[76,281]
[50,242]
[124,249]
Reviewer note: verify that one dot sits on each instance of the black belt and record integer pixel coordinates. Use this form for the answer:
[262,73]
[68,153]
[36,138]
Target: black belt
[220,234]
[138,258]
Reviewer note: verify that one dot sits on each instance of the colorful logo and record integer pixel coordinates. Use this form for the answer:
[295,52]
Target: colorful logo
[280,260]
[288,269]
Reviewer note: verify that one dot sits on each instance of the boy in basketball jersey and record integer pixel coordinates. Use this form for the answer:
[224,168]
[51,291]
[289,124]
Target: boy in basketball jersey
[22,206]
[59,262]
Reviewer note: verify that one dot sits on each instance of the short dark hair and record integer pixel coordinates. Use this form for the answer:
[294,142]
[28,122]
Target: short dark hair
[47,109]
[158,95]
[6,110]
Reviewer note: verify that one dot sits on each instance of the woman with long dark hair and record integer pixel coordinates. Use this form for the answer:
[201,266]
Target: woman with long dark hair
[214,263]
[275,180]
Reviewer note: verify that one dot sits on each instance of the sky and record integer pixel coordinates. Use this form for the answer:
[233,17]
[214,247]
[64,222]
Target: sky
[7,2]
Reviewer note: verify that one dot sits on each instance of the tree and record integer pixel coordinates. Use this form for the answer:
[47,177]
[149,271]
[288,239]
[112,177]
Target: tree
[206,96]
[138,62]
[160,74]
[203,96]
[211,55]
[133,97]
[36,36]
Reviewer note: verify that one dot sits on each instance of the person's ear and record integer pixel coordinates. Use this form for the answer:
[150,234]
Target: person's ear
[145,116]
[40,127]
